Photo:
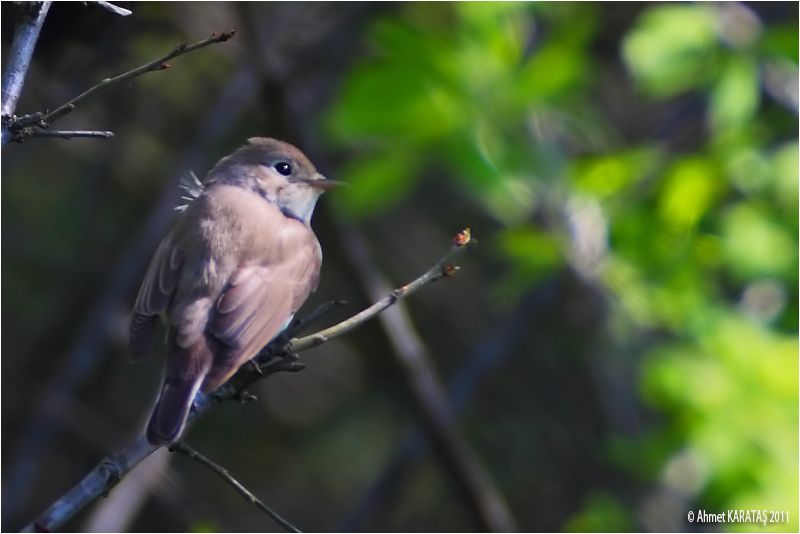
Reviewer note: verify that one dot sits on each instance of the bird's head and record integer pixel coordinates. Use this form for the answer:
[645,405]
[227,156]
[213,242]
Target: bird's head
[276,170]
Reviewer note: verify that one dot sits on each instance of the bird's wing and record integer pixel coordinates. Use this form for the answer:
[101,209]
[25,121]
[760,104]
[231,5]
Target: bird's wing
[257,305]
[154,295]
[251,311]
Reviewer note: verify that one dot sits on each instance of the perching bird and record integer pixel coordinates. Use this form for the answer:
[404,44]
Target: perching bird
[230,275]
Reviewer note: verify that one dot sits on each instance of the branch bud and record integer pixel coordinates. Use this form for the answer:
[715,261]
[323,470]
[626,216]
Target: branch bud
[450,269]
[462,238]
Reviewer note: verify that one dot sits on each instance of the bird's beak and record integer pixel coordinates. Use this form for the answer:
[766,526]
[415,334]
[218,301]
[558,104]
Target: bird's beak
[320,182]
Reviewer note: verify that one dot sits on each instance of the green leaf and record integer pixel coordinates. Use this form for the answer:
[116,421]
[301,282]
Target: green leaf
[392,101]
[376,182]
[786,179]
[478,160]
[608,175]
[736,94]
[601,512]
[532,252]
[671,47]
[690,188]
[753,245]
[551,74]
[780,40]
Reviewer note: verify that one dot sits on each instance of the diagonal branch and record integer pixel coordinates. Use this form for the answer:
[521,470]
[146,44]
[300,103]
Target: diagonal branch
[37,124]
[271,359]
[156,64]
[442,269]
[183,448]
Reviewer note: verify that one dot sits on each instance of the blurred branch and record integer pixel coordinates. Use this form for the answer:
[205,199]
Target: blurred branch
[26,33]
[108,6]
[375,500]
[227,477]
[26,126]
[92,335]
[278,356]
[464,467]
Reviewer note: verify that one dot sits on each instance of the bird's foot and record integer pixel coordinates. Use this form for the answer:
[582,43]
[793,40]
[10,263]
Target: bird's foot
[291,362]
[256,367]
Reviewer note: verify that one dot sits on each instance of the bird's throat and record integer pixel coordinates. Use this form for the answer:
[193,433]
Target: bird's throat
[302,211]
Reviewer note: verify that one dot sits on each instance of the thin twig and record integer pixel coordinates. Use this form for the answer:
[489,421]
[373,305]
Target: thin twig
[38,124]
[26,33]
[183,448]
[121,11]
[442,269]
[156,64]
[115,466]
[28,133]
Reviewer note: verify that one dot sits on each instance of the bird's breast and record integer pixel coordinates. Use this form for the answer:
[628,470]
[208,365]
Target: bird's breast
[239,226]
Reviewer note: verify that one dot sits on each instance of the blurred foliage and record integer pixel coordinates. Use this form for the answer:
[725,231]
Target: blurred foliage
[702,242]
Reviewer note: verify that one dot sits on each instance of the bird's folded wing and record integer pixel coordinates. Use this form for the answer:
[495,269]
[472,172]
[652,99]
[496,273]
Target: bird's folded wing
[251,311]
[154,295]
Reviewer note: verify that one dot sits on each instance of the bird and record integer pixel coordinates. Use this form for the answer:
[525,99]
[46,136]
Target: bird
[228,277]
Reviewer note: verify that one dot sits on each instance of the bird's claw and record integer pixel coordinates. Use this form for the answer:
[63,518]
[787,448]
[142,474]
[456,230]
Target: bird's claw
[256,367]
[291,362]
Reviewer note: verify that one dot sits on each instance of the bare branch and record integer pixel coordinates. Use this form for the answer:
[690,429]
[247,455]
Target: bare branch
[29,133]
[271,359]
[227,477]
[99,481]
[484,357]
[37,124]
[440,270]
[156,64]
[26,33]
[121,11]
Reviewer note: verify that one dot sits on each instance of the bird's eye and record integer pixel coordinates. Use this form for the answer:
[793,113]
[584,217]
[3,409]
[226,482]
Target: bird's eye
[283,168]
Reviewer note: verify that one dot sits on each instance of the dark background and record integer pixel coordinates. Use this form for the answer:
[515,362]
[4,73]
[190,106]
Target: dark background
[620,348]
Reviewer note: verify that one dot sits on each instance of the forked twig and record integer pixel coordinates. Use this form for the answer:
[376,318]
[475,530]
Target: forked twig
[38,124]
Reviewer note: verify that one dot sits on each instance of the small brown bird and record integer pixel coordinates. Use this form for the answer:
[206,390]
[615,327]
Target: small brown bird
[230,275]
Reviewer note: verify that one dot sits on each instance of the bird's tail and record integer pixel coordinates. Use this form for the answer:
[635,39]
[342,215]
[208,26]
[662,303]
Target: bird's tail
[186,370]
